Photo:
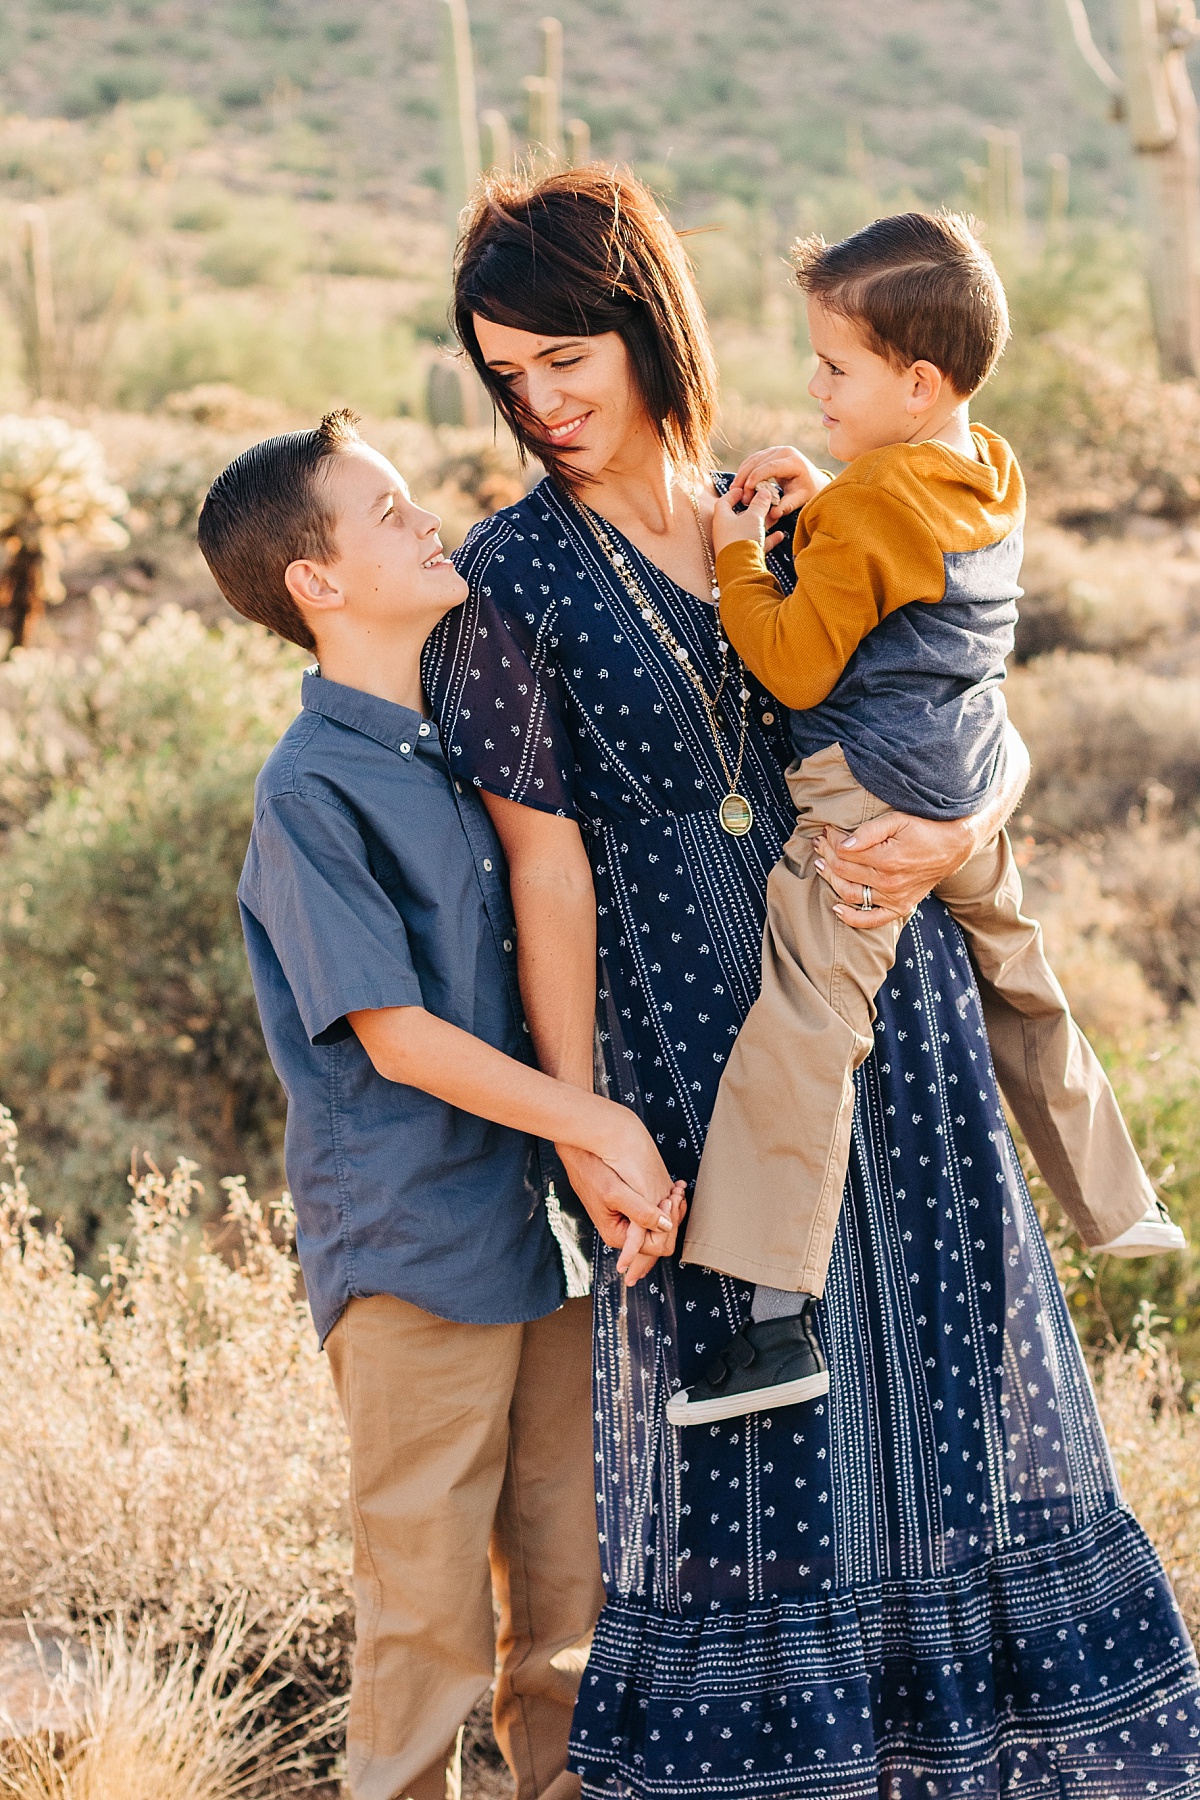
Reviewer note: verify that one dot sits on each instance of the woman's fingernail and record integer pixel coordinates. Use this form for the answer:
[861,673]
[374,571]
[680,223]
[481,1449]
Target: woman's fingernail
[840,911]
[849,843]
[818,862]
[664,1223]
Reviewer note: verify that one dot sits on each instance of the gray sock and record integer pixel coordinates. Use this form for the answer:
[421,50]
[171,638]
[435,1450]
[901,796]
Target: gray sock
[776,1303]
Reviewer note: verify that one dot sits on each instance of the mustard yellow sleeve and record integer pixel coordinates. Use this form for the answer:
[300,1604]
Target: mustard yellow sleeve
[862,554]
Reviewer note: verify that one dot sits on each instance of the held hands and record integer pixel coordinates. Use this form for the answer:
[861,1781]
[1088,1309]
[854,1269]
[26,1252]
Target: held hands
[627,1192]
[795,479]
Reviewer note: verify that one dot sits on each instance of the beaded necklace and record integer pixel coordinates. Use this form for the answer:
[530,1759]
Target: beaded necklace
[735,813]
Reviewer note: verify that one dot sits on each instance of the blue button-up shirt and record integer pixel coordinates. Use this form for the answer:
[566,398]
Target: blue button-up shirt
[373,879]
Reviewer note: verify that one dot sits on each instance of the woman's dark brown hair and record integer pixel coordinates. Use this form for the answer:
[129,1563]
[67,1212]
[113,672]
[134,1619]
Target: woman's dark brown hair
[576,254]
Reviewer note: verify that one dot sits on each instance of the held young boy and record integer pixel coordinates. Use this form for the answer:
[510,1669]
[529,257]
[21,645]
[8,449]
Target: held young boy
[891,649]
[381,944]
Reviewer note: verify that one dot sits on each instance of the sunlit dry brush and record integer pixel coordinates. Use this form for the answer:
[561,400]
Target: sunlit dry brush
[171,1441]
[1154,1433]
[180,1723]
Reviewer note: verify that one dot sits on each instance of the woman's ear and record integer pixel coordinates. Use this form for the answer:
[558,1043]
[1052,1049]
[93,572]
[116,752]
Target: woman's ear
[926,383]
[311,588]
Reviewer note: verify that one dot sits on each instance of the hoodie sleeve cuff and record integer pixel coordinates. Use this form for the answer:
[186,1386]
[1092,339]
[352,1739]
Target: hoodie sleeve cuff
[741,560]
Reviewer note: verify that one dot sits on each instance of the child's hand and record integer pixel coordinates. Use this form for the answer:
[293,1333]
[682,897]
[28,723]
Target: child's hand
[797,478]
[729,527]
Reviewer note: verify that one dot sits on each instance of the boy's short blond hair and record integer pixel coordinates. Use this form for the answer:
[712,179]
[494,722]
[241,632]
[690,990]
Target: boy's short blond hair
[922,288]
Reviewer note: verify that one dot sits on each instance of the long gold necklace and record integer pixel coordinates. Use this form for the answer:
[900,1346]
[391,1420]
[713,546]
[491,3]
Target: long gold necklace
[735,813]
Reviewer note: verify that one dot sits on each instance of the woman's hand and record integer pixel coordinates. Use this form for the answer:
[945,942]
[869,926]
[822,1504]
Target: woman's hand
[797,478]
[730,527]
[901,859]
[642,1249]
[608,1202]
[898,857]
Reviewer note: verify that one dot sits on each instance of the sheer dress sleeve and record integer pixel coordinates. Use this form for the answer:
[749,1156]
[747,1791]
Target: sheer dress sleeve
[493,681]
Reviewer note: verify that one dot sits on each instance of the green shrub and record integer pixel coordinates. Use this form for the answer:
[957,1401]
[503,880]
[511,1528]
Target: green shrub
[200,206]
[362,253]
[128,1013]
[307,349]
[253,253]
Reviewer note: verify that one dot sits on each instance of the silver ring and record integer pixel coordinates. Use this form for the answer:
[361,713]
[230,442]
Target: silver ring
[866,903]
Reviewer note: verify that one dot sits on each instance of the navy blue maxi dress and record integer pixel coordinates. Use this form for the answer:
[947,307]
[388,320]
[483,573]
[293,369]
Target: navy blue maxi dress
[928,1584]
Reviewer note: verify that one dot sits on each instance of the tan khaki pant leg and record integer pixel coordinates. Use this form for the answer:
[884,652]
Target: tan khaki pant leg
[426,1403]
[770,1185]
[1049,1073]
[545,1554]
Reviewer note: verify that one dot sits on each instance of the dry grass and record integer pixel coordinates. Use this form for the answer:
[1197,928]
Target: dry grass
[193,1723]
[172,1475]
[1154,1434]
[171,1441]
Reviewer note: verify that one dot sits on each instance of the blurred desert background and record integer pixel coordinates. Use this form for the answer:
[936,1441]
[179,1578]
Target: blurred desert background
[219,220]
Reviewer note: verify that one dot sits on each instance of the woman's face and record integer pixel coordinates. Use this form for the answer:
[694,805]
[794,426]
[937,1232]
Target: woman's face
[580,390]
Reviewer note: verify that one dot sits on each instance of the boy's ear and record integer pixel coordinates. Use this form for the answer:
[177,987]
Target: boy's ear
[927,385]
[311,588]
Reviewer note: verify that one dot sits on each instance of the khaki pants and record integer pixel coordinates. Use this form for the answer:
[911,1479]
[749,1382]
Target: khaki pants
[470,1446]
[770,1185]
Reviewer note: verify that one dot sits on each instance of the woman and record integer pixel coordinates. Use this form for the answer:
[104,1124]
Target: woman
[927,1584]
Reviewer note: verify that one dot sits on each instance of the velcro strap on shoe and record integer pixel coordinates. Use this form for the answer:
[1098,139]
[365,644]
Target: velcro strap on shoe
[740,1353]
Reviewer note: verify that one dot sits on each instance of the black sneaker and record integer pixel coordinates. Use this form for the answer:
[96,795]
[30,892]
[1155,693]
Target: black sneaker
[777,1362]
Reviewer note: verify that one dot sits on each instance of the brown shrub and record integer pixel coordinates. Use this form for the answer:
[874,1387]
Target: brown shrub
[1117,596]
[1102,735]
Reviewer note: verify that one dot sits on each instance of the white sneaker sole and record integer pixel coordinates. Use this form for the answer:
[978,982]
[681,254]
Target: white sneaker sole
[1148,1237]
[733,1406]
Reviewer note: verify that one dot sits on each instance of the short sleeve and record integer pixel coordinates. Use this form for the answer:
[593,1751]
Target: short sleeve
[491,673]
[339,939]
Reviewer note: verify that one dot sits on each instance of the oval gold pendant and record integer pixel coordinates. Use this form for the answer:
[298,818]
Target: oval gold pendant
[736,815]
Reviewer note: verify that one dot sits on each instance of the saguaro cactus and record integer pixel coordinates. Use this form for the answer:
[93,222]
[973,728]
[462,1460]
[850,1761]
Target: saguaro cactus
[543,96]
[460,127]
[1157,100]
[552,79]
[497,141]
[1006,185]
[41,331]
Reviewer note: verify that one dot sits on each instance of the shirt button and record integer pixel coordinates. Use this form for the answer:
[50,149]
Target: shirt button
[508,943]
[422,731]
[487,863]
[405,749]
[768,718]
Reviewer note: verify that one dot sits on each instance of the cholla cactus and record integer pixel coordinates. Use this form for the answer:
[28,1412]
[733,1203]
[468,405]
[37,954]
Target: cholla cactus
[53,489]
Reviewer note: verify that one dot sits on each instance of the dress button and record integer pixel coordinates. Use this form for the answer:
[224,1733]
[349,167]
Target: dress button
[405,749]
[768,718]
[422,731]
[508,943]
[487,863]
[458,786]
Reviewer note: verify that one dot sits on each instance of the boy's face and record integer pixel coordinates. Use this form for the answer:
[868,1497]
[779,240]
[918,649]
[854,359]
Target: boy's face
[866,402]
[388,560]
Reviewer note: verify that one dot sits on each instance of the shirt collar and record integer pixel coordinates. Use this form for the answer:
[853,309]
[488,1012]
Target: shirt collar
[396,727]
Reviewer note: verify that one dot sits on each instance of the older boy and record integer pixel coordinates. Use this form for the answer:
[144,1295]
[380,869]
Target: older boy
[381,943]
[891,649]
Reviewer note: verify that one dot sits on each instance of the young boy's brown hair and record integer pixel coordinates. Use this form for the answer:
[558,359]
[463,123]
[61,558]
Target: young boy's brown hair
[921,286]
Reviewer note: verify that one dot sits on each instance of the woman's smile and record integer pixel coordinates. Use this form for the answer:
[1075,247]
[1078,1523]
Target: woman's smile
[570,428]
